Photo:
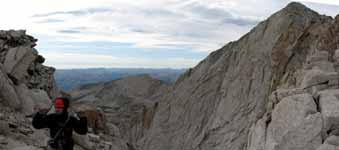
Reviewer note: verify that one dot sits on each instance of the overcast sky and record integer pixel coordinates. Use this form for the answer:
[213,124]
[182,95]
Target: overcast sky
[138,33]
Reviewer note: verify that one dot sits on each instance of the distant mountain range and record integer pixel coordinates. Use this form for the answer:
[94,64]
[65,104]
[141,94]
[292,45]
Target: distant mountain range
[68,79]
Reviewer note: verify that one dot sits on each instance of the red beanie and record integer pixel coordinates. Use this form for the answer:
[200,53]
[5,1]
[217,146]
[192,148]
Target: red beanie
[59,103]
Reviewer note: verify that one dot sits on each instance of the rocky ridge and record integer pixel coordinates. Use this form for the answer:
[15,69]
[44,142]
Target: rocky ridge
[250,93]
[276,88]
[25,86]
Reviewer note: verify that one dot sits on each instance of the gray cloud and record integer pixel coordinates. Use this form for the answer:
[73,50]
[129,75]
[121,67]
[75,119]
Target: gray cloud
[210,13]
[160,12]
[73,30]
[140,30]
[197,25]
[219,14]
[69,31]
[241,21]
[50,21]
[81,12]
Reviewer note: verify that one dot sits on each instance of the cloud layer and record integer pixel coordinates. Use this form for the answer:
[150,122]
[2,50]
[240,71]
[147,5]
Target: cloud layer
[167,24]
[178,32]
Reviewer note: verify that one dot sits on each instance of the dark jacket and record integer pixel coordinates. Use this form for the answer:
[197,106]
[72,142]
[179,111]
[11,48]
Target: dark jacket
[56,121]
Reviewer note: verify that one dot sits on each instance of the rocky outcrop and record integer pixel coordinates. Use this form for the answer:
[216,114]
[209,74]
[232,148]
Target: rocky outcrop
[119,111]
[25,86]
[302,121]
[22,63]
[8,94]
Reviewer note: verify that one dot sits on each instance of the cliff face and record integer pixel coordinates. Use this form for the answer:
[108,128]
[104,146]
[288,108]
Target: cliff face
[215,104]
[24,80]
[25,85]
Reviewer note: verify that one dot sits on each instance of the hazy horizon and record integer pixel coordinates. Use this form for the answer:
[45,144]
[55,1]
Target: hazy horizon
[122,68]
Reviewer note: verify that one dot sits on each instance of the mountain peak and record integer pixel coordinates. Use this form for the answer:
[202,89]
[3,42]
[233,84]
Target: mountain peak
[295,7]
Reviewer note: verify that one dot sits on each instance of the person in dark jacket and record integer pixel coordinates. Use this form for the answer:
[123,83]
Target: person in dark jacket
[61,125]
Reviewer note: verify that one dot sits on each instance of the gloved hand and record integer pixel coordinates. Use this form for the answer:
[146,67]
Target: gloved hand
[83,120]
[78,115]
[43,111]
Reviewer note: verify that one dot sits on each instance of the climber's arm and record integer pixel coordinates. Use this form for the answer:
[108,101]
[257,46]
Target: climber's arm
[80,125]
[40,120]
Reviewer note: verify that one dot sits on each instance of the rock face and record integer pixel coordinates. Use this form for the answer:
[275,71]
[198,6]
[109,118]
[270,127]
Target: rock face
[259,93]
[121,110]
[25,85]
[295,124]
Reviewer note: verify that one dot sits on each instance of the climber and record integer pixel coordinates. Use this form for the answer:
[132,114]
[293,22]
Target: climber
[61,125]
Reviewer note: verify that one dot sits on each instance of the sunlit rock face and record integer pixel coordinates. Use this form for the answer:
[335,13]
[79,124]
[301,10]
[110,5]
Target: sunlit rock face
[257,93]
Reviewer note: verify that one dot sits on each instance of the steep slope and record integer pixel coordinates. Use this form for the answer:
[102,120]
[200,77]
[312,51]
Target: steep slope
[23,77]
[214,105]
[121,109]
[25,85]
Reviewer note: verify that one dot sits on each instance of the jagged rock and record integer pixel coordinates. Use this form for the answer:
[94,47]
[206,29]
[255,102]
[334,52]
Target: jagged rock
[83,141]
[2,116]
[94,138]
[42,78]
[320,61]
[316,80]
[28,103]
[336,61]
[4,128]
[107,145]
[7,91]
[295,124]
[18,96]
[18,60]
[2,140]
[329,107]
[34,99]
[332,140]
[318,56]
[23,64]
[113,130]
[25,131]
[323,65]
[328,147]
[257,135]
[336,55]
[92,141]
[279,94]
[41,98]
